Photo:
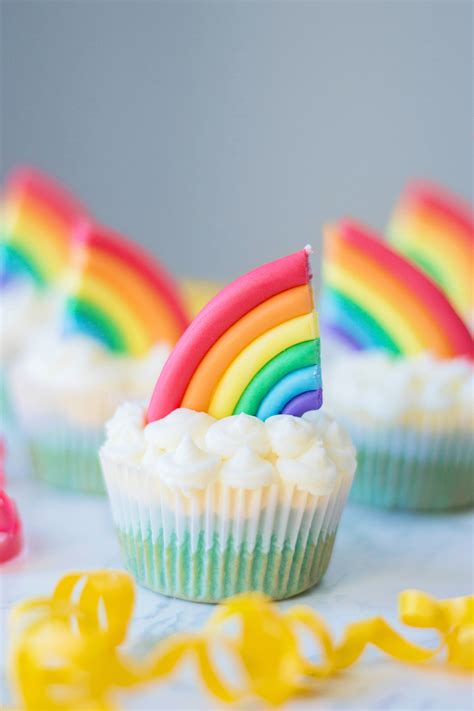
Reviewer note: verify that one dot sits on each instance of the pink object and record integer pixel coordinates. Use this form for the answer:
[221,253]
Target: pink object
[11,536]
[225,309]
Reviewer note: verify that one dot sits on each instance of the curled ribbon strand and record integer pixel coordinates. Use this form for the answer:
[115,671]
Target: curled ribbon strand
[66,648]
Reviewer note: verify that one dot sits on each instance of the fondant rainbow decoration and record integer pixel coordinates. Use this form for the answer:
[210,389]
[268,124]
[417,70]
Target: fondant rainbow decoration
[120,295]
[254,348]
[375,298]
[436,230]
[37,217]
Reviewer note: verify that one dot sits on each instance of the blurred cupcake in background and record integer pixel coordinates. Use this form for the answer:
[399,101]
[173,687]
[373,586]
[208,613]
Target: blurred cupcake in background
[402,383]
[121,315]
[435,230]
[232,479]
[37,216]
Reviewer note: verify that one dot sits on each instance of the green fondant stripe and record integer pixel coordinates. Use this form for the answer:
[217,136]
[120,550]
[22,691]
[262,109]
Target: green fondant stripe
[82,316]
[357,322]
[296,357]
[15,261]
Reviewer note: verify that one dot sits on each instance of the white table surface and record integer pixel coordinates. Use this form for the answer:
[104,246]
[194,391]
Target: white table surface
[376,555]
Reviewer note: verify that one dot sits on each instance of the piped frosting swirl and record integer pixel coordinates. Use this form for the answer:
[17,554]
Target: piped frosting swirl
[191,450]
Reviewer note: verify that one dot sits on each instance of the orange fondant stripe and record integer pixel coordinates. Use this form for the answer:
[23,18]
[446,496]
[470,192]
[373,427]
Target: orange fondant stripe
[278,309]
[393,291]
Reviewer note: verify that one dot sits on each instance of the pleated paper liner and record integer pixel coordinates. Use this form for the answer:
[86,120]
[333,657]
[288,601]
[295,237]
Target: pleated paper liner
[7,414]
[427,468]
[205,545]
[67,457]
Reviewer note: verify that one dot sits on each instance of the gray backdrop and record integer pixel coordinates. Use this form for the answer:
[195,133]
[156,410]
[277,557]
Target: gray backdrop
[224,134]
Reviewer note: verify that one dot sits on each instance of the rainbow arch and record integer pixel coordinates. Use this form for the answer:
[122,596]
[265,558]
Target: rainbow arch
[119,295]
[375,298]
[254,348]
[435,229]
[37,216]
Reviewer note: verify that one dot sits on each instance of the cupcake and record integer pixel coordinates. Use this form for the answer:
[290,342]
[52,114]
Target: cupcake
[121,314]
[35,211]
[402,383]
[231,479]
[412,422]
[64,390]
[20,313]
[208,508]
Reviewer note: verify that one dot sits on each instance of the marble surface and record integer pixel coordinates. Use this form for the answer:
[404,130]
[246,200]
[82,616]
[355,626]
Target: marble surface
[376,555]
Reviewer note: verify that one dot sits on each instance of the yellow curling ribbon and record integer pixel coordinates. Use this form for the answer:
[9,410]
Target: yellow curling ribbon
[66,649]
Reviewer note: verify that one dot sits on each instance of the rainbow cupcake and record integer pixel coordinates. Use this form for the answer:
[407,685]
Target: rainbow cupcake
[36,218]
[232,479]
[403,383]
[435,230]
[121,314]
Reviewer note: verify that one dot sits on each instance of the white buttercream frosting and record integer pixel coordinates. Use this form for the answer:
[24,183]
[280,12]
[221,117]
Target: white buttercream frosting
[245,469]
[188,466]
[189,449]
[167,433]
[373,387]
[24,312]
[301,470]
[226,436]
[77,378]
[289,436]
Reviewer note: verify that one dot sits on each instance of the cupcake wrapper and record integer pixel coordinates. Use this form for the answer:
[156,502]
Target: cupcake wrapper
[405,468]
[67,457]
[205,545]
[7,416]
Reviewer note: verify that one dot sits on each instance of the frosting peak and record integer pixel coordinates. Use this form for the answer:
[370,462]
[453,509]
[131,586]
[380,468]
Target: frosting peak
[167,433]
[313,471]
[246,469]
[226,436]
[290,436]
[188,466]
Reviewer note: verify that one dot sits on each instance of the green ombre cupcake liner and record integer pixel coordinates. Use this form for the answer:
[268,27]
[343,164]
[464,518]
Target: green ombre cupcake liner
[67,457]
[7,413]
[402,468]
[206,545]
[210,575]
